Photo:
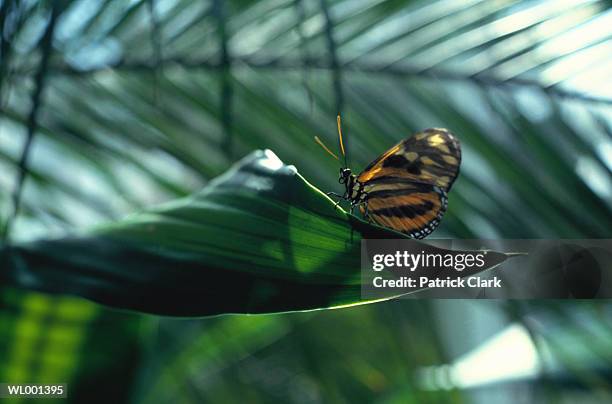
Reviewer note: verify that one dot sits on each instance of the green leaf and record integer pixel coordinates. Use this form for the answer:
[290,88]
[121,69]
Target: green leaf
[257,239]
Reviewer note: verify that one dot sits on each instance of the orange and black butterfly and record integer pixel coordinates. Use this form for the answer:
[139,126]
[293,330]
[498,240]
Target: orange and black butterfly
[406,187]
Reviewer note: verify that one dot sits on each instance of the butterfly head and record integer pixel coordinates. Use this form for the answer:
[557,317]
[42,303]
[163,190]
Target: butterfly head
[345,175]
[354,190]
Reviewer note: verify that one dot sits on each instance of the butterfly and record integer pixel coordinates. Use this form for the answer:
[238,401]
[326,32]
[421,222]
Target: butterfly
[406,187]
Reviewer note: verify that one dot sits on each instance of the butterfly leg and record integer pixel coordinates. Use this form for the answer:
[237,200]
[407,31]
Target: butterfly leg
[363,202]
[366,214]
[365,211]
[340,197]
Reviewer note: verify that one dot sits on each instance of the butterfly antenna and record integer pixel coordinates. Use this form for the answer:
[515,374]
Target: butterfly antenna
[338,121]
[325,148]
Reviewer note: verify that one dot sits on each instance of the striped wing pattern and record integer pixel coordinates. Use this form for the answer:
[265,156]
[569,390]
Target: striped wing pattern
[407,186]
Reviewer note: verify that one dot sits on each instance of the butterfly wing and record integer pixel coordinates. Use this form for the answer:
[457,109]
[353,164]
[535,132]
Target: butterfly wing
[407,185]
[429,157]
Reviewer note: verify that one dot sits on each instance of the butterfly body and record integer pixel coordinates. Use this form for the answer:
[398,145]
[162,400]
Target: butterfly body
[406,187]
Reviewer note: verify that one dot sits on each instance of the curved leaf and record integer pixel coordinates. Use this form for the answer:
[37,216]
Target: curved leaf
[257,239]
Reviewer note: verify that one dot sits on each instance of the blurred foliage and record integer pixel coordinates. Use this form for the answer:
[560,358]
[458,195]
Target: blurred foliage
[110,106]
